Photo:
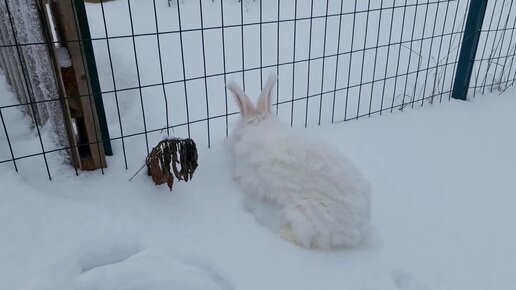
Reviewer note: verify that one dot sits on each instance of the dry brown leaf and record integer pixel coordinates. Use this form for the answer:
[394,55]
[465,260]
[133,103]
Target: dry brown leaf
[163,159]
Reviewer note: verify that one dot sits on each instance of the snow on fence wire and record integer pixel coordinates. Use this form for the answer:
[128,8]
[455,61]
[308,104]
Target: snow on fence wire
[162,65]
[28,69]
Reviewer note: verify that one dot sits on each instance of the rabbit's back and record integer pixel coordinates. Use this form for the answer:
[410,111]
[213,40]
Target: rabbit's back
[325,199]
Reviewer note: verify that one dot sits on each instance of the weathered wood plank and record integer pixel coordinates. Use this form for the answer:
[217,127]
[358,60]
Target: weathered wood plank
[74,80]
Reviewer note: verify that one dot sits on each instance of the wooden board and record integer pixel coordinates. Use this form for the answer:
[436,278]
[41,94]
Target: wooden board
[75,83]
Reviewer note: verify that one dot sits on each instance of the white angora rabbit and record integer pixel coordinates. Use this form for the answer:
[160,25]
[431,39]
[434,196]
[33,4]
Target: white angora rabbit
[324,201]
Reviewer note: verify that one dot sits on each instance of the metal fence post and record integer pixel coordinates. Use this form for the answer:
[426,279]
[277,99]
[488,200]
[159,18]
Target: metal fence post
[468,51]
[82,20]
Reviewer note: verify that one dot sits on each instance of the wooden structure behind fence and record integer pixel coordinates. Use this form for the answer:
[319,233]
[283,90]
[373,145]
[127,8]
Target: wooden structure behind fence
[43,57]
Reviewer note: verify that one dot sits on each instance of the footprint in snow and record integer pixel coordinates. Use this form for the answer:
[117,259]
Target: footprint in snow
[129,268]
[406,281]
[106,254]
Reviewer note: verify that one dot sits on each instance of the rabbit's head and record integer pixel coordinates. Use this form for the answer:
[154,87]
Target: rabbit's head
[253,115]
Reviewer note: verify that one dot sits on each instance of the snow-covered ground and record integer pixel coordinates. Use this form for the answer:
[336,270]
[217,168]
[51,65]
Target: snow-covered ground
[443,215]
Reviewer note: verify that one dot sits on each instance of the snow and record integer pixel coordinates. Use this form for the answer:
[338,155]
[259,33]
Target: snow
[442,175]
[24,17]
[443,212]
[63,57]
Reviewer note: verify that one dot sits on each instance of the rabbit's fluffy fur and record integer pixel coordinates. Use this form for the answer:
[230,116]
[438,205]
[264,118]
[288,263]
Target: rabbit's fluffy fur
[324,201]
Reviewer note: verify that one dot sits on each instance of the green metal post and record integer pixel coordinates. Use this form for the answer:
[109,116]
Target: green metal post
[84,28]
[468,51]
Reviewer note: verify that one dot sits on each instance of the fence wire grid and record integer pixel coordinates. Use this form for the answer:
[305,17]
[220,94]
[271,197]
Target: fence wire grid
[163,65]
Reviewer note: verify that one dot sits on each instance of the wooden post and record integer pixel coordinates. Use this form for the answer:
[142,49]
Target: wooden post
[75,85]
[89,55]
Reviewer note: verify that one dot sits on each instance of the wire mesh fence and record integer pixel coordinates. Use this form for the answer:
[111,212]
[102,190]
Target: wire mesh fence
[163,65]
[493,68]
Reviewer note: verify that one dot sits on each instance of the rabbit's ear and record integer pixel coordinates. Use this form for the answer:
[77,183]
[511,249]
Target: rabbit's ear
[264,104]
[246,107]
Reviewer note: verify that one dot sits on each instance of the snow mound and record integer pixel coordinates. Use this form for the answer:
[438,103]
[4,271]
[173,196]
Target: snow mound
[150,271]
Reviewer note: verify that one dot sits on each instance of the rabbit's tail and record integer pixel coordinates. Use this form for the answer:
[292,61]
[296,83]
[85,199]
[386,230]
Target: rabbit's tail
[314,225]
[304,226]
